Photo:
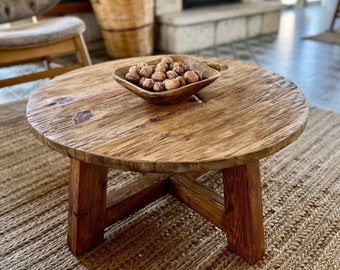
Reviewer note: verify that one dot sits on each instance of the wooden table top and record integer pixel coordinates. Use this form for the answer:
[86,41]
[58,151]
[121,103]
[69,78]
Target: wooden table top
[246,114]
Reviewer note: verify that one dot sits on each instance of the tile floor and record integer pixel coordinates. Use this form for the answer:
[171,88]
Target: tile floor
[313,66]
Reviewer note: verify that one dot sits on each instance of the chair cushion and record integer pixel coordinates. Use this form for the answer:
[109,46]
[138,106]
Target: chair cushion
[21,9]
[45,30]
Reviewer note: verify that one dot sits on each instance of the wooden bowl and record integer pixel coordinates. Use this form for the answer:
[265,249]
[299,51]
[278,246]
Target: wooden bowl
[210,71]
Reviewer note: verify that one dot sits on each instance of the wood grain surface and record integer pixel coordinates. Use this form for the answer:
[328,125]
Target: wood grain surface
[246,114]
[243,211]
[87,206]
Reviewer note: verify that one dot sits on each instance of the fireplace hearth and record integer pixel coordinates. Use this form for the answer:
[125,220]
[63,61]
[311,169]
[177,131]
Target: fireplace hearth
[183,28]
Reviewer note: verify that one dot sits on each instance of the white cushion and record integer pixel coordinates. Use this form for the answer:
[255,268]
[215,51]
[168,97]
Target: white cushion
[46,30]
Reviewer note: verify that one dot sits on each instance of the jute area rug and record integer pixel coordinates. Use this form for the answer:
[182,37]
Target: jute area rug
[327,37]
[301,201]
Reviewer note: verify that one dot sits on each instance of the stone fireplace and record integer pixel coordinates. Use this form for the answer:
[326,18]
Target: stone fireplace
[184,28]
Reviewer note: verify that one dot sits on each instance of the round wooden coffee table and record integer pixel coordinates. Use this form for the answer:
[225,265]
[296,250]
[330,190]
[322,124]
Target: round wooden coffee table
[248,113]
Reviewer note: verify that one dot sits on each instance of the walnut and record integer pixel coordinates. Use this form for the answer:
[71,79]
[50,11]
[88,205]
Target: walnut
[148,84]
[146,71]
[178,70]
[200,74]
[191,76]
[132,77]
[179,64]
[158,76]
[171,74]
[158,87]
[162,64]
[134,69]
[160,69]
[171,84]
[181,80]
[167,59]
[141,81]
[142,64]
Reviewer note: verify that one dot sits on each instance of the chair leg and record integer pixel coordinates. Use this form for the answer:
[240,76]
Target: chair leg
[335,16]
[47,62]
[83,54]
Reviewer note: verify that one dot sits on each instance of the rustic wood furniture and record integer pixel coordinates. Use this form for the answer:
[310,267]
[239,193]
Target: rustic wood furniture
[24,39]
[246,114]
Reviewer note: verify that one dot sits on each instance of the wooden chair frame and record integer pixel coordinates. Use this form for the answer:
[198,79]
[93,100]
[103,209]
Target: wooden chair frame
[335,16]
[44,52]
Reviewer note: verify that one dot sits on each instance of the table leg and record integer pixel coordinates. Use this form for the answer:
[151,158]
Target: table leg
[87,206]
[243,211]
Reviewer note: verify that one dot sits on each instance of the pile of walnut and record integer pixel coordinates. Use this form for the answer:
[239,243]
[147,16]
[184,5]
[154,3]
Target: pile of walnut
[166,75]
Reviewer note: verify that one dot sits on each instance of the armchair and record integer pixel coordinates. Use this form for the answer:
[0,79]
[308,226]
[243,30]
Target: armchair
[24,38]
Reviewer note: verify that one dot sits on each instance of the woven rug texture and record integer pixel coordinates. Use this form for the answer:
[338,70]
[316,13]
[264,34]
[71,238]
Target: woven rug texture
[301,199]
